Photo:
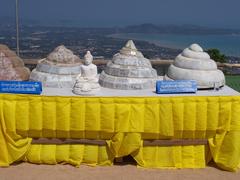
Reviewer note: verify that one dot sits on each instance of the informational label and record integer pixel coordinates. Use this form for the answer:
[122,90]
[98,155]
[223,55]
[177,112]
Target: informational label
[20,87]
[174,87]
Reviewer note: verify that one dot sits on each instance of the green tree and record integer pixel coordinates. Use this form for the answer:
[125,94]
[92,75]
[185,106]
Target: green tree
[216,55]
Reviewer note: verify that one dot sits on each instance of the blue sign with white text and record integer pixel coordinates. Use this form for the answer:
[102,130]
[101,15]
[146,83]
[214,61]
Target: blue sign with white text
[178,86]
[20,87]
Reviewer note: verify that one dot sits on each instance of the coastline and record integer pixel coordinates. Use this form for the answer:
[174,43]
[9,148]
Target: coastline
[155,42]
[162,44]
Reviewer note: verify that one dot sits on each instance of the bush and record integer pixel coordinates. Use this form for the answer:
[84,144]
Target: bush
[216,55]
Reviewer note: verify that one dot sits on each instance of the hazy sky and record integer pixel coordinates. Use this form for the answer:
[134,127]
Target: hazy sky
[219,13]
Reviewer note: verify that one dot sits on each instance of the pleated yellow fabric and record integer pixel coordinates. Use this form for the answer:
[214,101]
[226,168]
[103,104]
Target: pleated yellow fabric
[72,154]
[172,157]
[13,147]
[124,122]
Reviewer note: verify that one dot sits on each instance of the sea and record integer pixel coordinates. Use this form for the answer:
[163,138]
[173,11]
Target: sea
[228,44]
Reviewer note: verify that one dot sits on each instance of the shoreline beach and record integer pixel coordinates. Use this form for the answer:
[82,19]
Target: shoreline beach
[181,42]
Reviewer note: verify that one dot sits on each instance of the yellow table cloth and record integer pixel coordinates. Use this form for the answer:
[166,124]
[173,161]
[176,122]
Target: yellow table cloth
[124,122]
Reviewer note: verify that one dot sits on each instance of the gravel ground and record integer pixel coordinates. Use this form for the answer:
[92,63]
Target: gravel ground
[28,171]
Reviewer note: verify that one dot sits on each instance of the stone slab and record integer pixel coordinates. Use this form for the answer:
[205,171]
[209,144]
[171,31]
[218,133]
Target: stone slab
[106,92]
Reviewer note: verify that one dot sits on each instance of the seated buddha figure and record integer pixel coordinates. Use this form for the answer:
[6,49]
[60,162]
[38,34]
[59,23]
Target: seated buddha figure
[87,81]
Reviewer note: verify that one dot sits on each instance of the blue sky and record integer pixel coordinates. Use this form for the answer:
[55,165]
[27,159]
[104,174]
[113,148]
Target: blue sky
[213,13]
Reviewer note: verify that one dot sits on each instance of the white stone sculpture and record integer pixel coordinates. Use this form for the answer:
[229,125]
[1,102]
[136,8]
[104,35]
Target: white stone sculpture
[195,64]
[59,69]
[87,81]
[128,70]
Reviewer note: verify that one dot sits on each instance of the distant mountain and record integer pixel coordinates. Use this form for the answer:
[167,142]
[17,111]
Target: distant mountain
[142,28]
[177,29]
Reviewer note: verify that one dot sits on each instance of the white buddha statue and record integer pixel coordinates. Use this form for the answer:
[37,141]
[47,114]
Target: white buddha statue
[87,81]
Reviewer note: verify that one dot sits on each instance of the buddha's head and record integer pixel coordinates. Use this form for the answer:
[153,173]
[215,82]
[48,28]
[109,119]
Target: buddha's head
[88,58]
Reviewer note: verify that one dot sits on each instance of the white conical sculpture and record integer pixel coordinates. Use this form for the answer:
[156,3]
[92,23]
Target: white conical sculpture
[129,49]
[87,81]
[195,64]
[129,69]
[59,69]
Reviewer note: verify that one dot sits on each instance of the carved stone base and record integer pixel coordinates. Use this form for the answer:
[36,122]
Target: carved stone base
[53,80]
[66,69]
[126,83]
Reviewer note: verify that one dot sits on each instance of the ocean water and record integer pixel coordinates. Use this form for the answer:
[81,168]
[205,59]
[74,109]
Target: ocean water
[227,44]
